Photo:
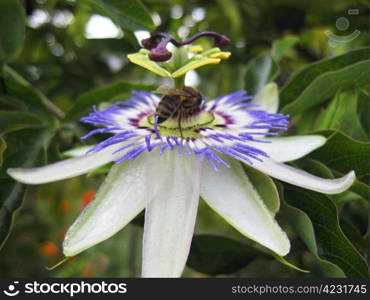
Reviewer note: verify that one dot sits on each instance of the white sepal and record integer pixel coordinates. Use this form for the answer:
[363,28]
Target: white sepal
[282,149]
[268,98]
[120,199]
[66,168]
[230,193]
[303,179]
[173,194]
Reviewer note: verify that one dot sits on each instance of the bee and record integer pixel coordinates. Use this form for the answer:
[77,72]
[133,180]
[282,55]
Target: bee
[180,103]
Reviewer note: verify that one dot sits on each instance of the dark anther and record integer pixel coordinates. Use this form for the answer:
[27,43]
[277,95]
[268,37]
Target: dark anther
[159,52]
[157,43]
[163,55]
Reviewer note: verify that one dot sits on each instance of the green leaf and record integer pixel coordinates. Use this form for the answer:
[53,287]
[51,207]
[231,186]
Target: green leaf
[232,13]
[214,255]
[24,150]
[305,123]
[103,94]
[363,109]
[282,46]
[15,120]
[129,14]
[321,80]
[341,153]
[11,103]
[2,149]
[288,264]
[17,86]
[11,197]
[342,115]
[259,72]
[353,234]
[265,187]
[12,29]
[304,228]
[332,245]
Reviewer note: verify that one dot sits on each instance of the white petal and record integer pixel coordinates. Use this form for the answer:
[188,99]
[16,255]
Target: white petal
[174,183]
[118,201]
[268,98]
[79,151]
[290,148]
[303,179]
[230,193]
[66,168]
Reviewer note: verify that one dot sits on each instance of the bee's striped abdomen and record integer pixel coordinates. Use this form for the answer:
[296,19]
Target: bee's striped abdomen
[167,107]
[179,103]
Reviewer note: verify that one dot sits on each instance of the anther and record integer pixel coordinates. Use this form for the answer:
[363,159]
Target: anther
[163,55]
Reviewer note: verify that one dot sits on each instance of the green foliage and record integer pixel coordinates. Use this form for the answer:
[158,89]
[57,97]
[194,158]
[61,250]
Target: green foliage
[2,149]
[341,153]
[282,46]
[305,231]
[355,236]
[363,107]
[332,245]
[129,14]
[12,28]
[214,255]
[259,72]
[11,120]
[321,80]
[27,147]
[52,73]
[264,68]
[34,100]
[342,114]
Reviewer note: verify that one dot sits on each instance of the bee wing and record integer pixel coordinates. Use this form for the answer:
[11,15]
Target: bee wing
[164,90]
[191,93]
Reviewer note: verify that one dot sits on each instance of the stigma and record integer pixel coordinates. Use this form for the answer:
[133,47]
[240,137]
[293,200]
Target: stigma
[157,43]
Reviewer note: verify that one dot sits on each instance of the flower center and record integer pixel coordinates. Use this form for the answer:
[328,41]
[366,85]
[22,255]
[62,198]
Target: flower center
[180,113]
[186,128]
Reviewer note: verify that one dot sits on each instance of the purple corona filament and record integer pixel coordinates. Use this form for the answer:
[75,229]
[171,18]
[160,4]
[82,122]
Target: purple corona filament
[237,132]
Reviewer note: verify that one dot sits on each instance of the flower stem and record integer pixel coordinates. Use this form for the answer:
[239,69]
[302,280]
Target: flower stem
[179,82]
[179,58]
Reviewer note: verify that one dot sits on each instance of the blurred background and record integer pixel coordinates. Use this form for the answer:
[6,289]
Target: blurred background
[74,47]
